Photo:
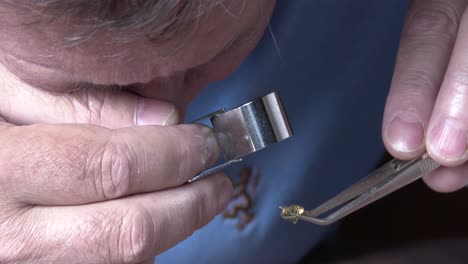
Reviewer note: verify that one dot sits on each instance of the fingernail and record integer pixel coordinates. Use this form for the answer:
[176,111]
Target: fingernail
[406,132]
[448,139]
[154,112]
[225,192]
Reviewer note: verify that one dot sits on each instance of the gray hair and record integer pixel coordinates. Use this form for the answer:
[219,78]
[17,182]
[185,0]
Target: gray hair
[156,20]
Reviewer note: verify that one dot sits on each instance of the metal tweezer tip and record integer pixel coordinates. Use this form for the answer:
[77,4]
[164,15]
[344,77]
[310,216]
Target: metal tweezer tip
[383,181]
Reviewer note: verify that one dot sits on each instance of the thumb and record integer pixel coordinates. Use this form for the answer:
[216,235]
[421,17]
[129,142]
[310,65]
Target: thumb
[23,104]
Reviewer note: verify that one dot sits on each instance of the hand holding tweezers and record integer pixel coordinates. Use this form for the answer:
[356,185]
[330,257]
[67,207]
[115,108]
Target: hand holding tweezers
[385,180]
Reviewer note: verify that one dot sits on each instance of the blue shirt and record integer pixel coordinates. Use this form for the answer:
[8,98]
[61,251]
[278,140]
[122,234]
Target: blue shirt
[331,62]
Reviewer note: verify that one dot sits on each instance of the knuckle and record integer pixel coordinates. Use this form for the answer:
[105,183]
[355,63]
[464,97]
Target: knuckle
[136,239]
[87,105]
[435,18]
[112,168]
[413,89]
[417,82]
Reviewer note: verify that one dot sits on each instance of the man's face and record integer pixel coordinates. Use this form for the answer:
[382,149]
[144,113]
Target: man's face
[173,70]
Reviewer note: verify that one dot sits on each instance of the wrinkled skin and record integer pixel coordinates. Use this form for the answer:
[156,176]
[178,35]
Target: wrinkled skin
[427,108]
[96,174]
[93,174]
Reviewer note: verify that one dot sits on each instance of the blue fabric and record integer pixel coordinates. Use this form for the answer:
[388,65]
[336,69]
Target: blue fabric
[332,67]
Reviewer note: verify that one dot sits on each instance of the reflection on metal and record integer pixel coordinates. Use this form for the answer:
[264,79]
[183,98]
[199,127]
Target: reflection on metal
[247,129]
[385,180]
[214,169]
[292,213]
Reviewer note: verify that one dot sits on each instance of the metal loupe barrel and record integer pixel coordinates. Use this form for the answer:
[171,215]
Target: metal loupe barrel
[251,127]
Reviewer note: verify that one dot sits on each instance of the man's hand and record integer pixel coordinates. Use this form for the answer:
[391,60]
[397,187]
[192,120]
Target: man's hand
[427,108]
[87,194]
[24,104]
[79,193]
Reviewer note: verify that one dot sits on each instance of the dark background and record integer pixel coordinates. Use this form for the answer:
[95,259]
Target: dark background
[410,216]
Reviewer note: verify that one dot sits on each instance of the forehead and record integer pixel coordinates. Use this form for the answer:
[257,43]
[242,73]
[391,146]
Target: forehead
[116,49]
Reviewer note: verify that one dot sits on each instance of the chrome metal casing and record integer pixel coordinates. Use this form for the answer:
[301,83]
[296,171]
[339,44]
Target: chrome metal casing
[251,127]
[248,128]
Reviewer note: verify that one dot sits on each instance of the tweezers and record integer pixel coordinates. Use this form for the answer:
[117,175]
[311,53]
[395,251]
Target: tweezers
[388,178]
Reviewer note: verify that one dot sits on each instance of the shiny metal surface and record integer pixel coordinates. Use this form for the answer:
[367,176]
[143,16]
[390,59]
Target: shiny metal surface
[214,169]
[247,129]
[251,127]
[385,180]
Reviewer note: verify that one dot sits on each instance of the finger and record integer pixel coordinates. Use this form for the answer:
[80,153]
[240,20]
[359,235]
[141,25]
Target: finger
[23,104]
[427,39]
[75,164]
[127,230]
[448,179]
[447,133]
